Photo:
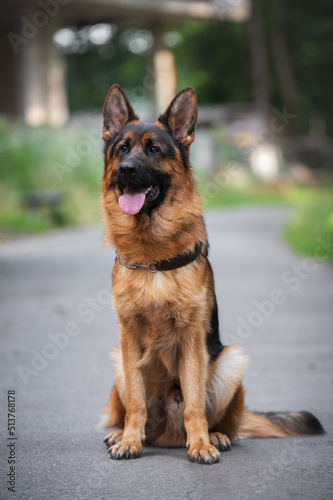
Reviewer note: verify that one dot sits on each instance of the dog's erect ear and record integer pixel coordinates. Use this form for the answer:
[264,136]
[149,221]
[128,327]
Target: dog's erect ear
[117,112]
[181,116]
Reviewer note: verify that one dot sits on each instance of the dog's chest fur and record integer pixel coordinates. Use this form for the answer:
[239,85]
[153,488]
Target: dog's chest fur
[164,306]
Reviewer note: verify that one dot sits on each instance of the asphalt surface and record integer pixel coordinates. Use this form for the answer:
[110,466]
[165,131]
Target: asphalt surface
[57,330]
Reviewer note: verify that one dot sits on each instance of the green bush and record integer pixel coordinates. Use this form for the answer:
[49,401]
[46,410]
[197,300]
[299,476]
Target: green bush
[66,161]
[312,223]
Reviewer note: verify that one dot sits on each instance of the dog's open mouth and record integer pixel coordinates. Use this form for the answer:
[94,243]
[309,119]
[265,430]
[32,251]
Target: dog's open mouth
[133,199]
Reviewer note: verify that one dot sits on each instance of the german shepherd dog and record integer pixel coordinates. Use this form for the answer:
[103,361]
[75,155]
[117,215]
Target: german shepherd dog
[176,385]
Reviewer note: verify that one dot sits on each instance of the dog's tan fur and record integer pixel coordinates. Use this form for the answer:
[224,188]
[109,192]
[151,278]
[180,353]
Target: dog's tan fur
[166,390]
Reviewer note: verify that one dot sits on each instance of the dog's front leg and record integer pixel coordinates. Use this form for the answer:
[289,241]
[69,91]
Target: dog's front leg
[193,371]
[130,445]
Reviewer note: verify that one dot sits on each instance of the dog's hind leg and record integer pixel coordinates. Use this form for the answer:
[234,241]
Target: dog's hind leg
[225,396]
[113,415]
[225,430]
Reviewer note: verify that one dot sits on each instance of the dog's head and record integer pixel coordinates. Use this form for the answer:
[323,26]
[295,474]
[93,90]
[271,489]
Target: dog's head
[142,162]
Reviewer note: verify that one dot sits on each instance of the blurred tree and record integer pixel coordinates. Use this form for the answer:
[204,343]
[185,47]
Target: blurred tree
[281,55]
[214,59]
[90,74]
[288,49]
[308,29]
[258,55]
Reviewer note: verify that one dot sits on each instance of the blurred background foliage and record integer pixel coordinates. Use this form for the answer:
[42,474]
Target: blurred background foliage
[215,59]
[33,164]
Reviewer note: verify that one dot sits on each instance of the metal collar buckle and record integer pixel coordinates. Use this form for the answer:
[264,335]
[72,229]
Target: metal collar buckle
[152,266]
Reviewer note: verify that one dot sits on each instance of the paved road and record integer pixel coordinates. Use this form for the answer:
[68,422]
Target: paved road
[57,330]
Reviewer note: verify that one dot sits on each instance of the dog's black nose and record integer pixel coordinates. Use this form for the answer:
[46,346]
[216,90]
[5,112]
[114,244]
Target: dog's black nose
[128,171]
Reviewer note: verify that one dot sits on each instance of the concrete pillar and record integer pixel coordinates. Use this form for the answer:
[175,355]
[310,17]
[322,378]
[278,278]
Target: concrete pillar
[57,105]
[164,68]
[41,81]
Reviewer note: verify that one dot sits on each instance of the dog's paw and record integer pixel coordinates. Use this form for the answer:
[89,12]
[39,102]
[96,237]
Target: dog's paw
[203,454]
[125,450]
[113,438]
[220,441]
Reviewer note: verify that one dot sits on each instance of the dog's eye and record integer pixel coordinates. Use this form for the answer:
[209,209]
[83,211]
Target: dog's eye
[123,148]
[153,149]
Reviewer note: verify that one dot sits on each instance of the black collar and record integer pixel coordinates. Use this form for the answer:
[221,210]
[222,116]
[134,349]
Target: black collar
[167,265]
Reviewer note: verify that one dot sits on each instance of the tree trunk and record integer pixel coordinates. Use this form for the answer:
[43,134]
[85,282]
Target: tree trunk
[282,62]
[259,65]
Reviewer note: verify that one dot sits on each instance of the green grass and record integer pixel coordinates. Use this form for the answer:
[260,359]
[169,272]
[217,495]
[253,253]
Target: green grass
[311,224]
[312,219]
[68,161]
[257,194]
[247,189]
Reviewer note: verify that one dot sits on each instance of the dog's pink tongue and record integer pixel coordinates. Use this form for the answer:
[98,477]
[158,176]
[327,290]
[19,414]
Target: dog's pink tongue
[132,201]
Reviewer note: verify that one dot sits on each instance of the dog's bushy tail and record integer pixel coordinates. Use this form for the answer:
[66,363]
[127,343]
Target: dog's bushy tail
[279,424]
